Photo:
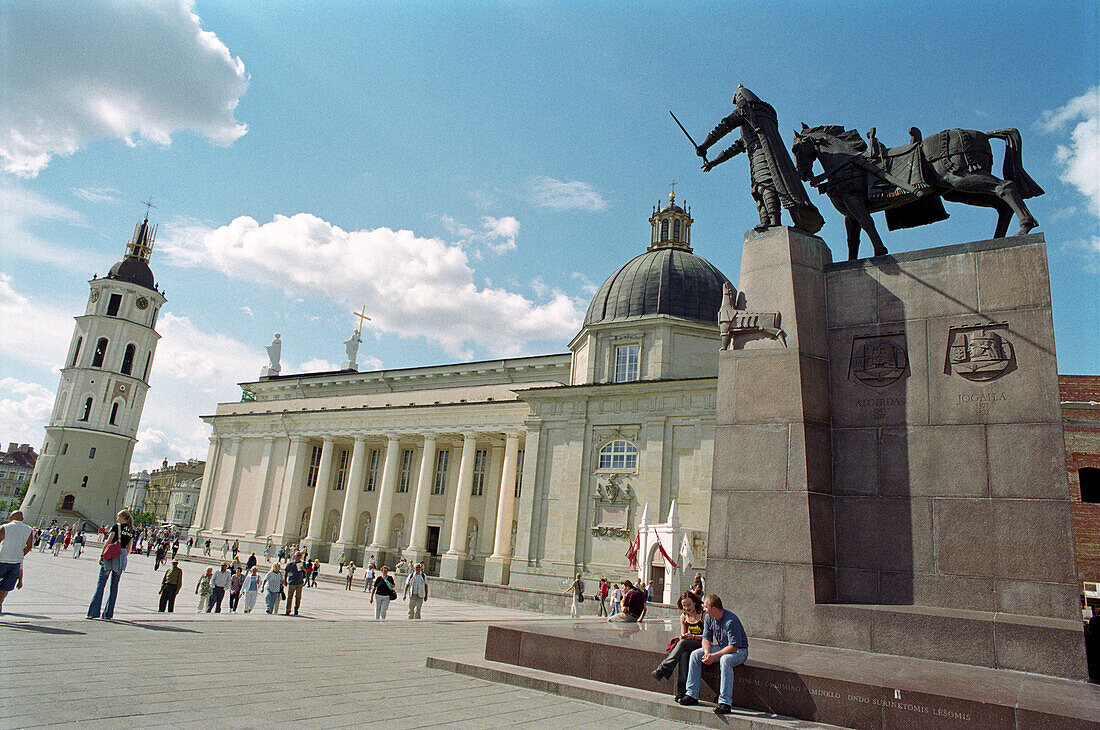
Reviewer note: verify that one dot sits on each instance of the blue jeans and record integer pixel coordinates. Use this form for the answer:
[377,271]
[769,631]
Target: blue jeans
[105,572]
[726,663]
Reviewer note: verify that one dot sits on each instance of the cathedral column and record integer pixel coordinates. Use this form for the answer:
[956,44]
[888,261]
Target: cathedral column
[207,488]
[314,538]
[385,499]
[265,488]
[496,567]
[349,519]
[297,461]
[453,562]
[416,552]
[231,469]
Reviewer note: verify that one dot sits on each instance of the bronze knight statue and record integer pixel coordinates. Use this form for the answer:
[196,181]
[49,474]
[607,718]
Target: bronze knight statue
[775,182]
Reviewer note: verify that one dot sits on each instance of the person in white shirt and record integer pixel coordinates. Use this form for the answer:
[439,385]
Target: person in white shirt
[218,583]
[416,590]
[16,540]
[273,586]
[251,589]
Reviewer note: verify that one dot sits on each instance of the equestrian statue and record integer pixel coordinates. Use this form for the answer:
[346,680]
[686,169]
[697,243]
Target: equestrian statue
[908,182]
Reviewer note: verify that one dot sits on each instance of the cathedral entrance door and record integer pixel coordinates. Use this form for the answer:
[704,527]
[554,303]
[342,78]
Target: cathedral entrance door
[657,574]
[433,550]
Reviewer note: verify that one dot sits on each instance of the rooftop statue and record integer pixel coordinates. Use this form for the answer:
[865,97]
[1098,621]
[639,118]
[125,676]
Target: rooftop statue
[774,180]
[909,181]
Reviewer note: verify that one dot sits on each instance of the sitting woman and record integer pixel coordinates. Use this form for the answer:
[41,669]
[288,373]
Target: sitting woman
[691,633]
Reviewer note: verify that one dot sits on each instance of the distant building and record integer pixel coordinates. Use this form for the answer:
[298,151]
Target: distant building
[90,438]
[163,482]
[1081,420]
[137,488]
[183,498]
[16,467]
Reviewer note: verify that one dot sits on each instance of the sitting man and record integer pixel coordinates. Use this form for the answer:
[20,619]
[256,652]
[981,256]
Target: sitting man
[725,643]
[633,604]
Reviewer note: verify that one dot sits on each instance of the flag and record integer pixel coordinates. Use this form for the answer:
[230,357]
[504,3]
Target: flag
[687,555]
[632,553]
[662,549]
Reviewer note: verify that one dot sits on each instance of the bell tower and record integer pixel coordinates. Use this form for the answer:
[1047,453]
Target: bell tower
[670,225]
[85,460]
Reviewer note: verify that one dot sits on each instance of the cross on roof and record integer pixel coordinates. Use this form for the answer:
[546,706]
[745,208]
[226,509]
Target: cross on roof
[362,315]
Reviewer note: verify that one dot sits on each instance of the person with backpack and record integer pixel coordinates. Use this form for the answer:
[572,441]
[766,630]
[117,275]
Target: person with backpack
[578,596]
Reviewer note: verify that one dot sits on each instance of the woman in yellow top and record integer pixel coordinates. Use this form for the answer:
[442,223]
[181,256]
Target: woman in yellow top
[690,639]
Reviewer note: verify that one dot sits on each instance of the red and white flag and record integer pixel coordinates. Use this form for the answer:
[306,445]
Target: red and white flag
[687,555]
[663,551]
[632,553]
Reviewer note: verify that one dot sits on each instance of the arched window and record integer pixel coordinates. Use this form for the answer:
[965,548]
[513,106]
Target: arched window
[676,230]
[84,414]
[1090,484]
[113,305]
[76,352]
[114,413]
[100,353]
[128,359]
[619,455]
[84,481]
[148,359]
[664,229]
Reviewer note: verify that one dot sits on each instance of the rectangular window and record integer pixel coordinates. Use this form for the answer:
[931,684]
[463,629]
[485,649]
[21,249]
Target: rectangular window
[64,449]
[372,470]
[114,304]
[342,471]
[314,467]
[480,457]
[406,471]
[519,472]
[439,486]
[626,363]
[91,453]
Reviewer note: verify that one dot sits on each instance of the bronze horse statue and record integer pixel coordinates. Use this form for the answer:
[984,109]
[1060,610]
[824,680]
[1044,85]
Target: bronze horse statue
[909,181]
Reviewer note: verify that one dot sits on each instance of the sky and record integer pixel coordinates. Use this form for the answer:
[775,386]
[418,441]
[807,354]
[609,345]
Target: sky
[469,172]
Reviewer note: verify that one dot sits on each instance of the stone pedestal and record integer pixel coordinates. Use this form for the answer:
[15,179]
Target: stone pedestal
[452,566]
[896,473]
[497,570]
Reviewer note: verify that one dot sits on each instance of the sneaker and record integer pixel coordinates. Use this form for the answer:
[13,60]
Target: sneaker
[722,709]
[658,675]
[688,700]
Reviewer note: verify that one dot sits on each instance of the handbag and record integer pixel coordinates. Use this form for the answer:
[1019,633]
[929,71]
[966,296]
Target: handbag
[112,549]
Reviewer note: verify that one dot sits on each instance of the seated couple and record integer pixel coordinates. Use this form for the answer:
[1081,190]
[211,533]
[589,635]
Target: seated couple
[711,635]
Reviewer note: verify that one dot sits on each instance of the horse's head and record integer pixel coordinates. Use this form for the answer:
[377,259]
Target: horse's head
[825,142]
[804,149]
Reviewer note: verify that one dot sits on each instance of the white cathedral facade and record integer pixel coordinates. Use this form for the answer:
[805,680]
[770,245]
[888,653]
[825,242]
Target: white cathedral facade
[514,471]
[85,462]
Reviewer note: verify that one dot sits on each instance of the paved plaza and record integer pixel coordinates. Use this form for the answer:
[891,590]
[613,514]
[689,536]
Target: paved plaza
[331,667]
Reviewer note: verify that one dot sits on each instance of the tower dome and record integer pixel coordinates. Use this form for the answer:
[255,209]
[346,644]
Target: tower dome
[134,268]
[667,279]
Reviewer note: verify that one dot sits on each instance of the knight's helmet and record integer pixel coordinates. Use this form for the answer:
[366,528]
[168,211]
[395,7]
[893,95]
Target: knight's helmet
[743,96]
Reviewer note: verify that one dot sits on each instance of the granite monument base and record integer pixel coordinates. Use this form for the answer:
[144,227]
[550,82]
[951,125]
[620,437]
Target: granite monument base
[822,684]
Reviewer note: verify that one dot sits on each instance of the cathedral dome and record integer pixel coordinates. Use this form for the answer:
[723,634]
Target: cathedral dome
[665,280]
[133,270]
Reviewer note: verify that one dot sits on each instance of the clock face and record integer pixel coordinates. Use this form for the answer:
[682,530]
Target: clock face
[95,295]
[142,302]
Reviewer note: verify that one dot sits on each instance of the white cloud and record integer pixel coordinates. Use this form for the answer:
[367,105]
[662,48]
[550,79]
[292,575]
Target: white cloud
[498,235]
[316,365]
[551,193]
[419,287]
[49,326]
[26,408]
[1080,159]
[99,196]
[79,71]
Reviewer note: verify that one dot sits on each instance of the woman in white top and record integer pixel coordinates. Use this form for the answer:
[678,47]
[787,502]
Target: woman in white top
[383,592]
[251,589]
[578,595]
[273,586]
[616,599]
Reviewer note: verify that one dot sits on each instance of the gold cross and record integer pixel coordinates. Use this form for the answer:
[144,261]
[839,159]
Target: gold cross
[672,191]
[362,315]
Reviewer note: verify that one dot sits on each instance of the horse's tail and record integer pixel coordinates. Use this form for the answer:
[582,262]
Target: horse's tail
[1013,168]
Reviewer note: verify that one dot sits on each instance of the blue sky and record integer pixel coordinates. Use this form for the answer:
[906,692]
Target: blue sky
[467,171]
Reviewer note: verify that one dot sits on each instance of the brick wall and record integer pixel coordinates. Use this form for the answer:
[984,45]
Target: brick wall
[1081,419]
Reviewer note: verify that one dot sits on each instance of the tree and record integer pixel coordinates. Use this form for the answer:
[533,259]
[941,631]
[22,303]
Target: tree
[143,518]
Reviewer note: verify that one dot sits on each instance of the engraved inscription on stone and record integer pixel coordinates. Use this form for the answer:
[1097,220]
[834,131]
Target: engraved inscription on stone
[878,361]
[980,353]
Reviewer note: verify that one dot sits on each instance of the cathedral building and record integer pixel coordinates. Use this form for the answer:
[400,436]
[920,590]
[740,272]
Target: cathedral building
[82,471]
[517,471]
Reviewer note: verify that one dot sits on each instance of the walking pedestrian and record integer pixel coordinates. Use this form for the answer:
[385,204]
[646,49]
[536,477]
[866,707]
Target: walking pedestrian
[416,590]
[351,574]
[273,588]
[175,547]
[203,589]
[372,573]
[616,599]
[16,540]
[383,592]
[251,589]
[206,549]
[250,563]
[112,562]
[55,542]
[236,548]
[295,578]
[601,595]
[235,583]
[190,544]
[158,558]
[268,548]
[218,584]
[316,572]
[78,544]
[169,586]
[225,550]
[577,587]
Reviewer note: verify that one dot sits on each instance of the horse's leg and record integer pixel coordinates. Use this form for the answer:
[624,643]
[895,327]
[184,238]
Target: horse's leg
[857,206]
[985,183]
[851,225]
[985,200]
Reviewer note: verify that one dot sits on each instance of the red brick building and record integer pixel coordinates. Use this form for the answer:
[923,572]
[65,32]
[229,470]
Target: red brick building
[1081,418]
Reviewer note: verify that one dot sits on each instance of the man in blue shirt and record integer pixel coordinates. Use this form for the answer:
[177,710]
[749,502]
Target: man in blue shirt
[724,643]
[295,577]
